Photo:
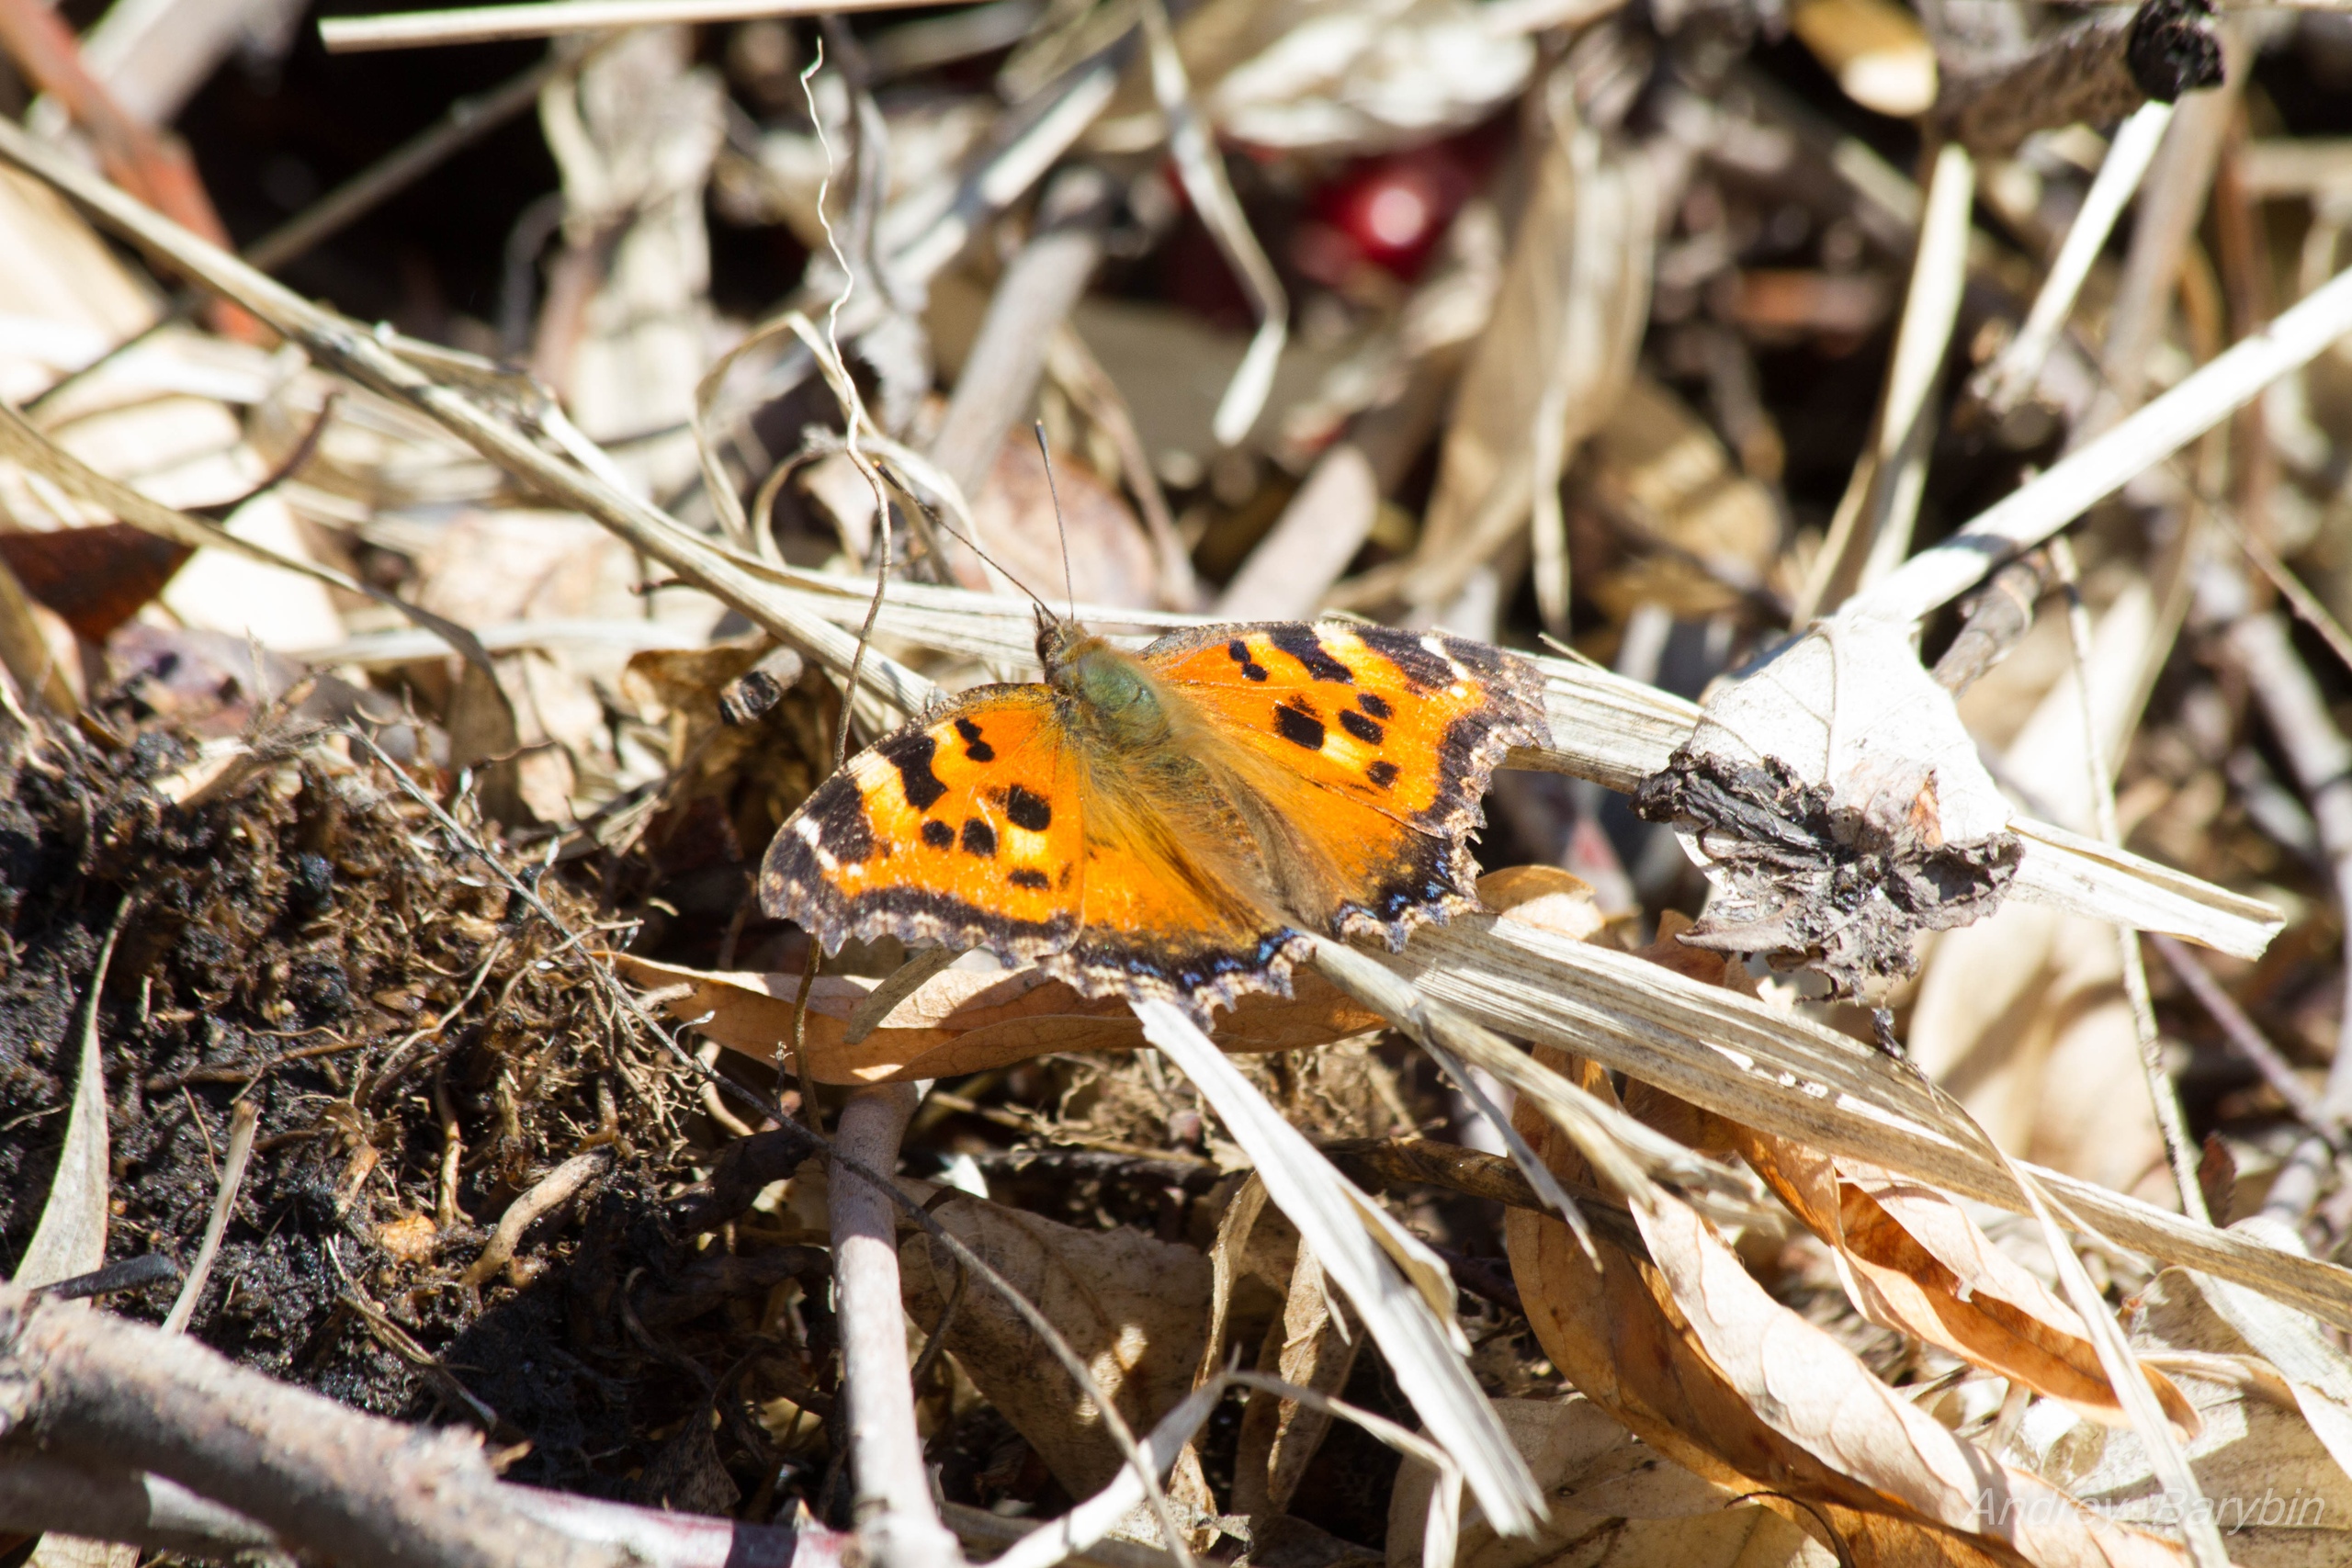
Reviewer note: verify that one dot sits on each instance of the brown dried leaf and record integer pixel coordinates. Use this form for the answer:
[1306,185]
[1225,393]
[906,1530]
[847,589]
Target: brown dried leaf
[1913,1260]
[1615,1504]
[1312,1346]
[1691,1354]
[1133,1308]
[966,1022]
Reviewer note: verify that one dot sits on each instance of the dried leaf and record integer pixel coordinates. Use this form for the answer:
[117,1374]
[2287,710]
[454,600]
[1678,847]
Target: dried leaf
[1697,1360]
[965,1020]
[2271,1483]
[1614,1504]
[1912,1260]
[1132,1307]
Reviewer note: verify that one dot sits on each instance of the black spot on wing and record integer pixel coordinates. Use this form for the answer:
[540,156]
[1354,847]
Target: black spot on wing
[1035,881]
[1374,704]
[978,750]
[1027,809]
[839,814]
[1296,723]
[1301,643]
[937,834]
[980,839]
[1383,773]
[1362,729]
[1239,651]
[1423,671]
[911,753]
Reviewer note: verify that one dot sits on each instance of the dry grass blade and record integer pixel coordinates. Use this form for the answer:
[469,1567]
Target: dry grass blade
[71,1236]
[1743,1059]
[485,24]
[1362,1257]
[242,1120]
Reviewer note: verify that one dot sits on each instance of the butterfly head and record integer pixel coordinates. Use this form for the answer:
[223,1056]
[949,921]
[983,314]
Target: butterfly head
[1107,687]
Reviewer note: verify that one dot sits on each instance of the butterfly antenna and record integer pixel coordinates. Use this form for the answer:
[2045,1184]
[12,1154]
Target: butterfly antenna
[1070,583]
[938,519]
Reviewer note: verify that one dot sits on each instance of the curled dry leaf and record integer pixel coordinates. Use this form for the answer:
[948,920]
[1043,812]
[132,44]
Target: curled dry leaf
[1912,1260]
[965,1020]
[1132,1306]
[1690,1353]
[1615,1502]
[1839,802]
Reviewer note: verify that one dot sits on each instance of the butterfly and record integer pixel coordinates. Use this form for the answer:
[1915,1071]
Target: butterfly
[1170,823]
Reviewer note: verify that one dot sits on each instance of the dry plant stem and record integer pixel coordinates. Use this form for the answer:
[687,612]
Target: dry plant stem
[243,1120]
[348,1487]
[453,1154]
[2179,1148]
[2275,1070]
[487,24]
[893,1509]
[1734,1057]
[1930,309]
[2306,605]
[2080,74]
[103,1501]
[2161,232]
[1387,1274]
[2038,509]
[1201,169]
[994,1532]
[1035,295]
[2321,760]
[2010,378]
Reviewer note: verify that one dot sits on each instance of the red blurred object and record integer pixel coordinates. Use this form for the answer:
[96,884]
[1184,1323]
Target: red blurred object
[1388,212]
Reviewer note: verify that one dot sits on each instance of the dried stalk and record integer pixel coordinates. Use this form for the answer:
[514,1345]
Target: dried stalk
[2007,382]
[487,23]
[894,1512]
[2038,509]
[2178,1146]
[84,1384]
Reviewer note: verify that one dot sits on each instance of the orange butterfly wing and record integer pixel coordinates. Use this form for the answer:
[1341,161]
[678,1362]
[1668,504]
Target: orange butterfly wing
[1321,777]
[965,828]
[976,828]
[1373,748]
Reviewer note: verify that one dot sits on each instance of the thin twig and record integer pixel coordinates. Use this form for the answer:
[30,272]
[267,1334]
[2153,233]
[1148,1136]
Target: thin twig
[2302,600]
[2174,1126]
[2275,1070]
